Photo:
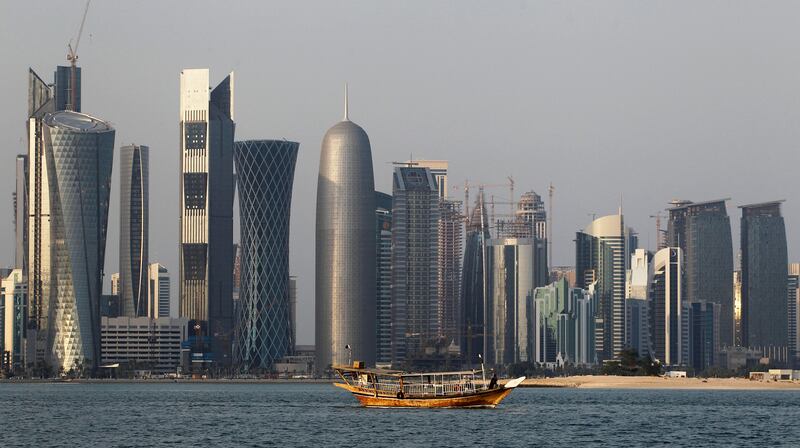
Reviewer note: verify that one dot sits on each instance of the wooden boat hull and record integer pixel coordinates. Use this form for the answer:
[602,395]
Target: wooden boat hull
[484,399]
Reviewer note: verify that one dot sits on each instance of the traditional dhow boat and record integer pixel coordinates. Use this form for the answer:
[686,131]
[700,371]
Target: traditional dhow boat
[396,389]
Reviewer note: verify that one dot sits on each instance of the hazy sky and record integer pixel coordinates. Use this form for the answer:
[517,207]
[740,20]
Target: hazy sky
[649,100]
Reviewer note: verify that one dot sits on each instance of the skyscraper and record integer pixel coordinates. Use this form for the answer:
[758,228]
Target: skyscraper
[666,308]
[637,322]
[80,153]
[345,248]
[13,302]
[601,256]
[474,286]
[383,276]
[206,217]
[764,283]
[134,229]
[264,177]
[793,306]
[438,169]
[450,227]
[703,232]
[415,261]
[511,268]
[63,88]
[40,102]
[563,324]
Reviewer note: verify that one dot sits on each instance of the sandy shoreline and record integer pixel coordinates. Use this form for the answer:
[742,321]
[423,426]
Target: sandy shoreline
[642,382]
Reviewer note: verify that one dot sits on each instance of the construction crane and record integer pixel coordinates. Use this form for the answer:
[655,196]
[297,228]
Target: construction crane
[660,234]
[72,57]
[550,191]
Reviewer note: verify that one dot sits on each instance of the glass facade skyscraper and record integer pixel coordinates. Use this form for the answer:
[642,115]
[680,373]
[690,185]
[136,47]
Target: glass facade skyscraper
[764,283]
[206,211]
[666,308]
[474,285]
[80,153]
[415,260]
[702,231]
[134,230]
[345,248]
[264,178]
[601,256]
[63,88]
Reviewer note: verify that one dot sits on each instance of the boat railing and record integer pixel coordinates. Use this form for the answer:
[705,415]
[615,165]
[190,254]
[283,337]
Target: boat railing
[423,389]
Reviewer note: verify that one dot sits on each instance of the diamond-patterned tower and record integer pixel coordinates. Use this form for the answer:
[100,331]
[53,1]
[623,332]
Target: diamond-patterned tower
[264,176]
[80,151]
[345,248]
[133,230]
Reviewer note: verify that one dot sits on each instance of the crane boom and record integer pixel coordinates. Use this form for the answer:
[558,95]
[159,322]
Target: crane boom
[72,57]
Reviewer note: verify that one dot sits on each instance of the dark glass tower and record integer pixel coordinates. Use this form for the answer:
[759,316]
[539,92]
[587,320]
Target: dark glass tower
[764,278]
[264,177]
[474,288]
[345,248]
[80,153]
[703,232]
[133,230]
[206,214]
[63,88]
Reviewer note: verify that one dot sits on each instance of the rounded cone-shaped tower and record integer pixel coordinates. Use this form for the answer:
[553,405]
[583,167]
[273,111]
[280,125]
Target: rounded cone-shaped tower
[345,248]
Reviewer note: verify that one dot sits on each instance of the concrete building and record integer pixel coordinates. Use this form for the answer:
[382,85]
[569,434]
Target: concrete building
[12,320]
[143,343]
[79,152]
[764,262]
[206,202]
[264,177]
[474,286]
[737,308]
[559,272]
[793,307]
[703,232]
[601,256]
[383,277]
[563,324]
[415,263]
[345,248]
[666,308]
[529,221]
[159,302]
[511,270]
[115,284]
[450,229]
[134,229]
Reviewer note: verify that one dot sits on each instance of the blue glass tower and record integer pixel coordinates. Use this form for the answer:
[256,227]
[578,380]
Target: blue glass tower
[265,172]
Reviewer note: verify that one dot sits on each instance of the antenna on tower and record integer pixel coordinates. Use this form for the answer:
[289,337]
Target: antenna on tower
[346,106]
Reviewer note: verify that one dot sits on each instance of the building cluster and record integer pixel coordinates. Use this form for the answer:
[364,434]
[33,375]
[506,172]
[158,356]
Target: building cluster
[409,280]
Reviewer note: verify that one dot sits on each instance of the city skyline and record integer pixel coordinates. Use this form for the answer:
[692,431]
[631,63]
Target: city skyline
[746,177]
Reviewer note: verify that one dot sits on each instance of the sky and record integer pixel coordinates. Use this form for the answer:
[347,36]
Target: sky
[625,103]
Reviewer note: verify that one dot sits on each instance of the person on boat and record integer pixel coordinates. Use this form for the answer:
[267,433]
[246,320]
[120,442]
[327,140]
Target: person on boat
[493,381]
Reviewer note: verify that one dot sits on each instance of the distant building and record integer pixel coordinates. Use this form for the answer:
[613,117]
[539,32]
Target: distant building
[115,284]
[703,232]
[529,221]
[383,276]
[205,275]
[737,308]
[511,269]
[80,152]
[559,272]
[21,213]
[563,324]
[63,89]
[159,303]
[666,308]
[702,329]
[143,343]
[12,320]
[109,305]
[345,248]
[764,262]
[134,229]
[415,262]
[264,177]
[474,286]
[637,320]
[450,228]
[293,306]
[601,256]
[793,307]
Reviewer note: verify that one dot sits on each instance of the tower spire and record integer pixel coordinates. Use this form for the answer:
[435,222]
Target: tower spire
[346,113]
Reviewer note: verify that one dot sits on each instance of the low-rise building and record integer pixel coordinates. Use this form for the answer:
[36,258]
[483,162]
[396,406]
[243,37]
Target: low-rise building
[143,343]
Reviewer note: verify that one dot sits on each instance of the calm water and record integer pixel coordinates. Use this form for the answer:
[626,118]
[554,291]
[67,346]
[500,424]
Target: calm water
[134,415]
